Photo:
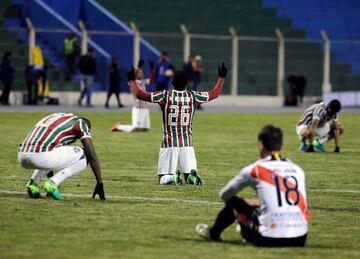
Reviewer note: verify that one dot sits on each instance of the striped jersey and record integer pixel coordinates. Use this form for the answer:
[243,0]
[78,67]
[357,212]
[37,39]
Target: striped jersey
[178,109]
[280,187]
[57,129]
[316,112]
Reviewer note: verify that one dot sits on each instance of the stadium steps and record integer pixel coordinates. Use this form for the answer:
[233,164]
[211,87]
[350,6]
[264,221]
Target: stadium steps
[257,60]
[340,19]
[16,42]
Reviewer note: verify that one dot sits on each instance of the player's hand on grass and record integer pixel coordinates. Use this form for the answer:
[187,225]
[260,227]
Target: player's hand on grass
[222,71]
[99,189]
[131,74]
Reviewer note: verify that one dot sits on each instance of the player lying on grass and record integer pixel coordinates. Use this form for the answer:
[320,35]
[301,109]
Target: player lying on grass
[282,219]
[178,107]
[320,120]
[139,114]
[46,149]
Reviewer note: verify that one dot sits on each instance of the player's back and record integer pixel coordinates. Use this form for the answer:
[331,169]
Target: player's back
[281,189]
[317,109]
[54,130]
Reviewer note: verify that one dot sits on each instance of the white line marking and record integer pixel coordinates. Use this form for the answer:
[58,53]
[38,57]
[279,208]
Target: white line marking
[152,199]
[114,197]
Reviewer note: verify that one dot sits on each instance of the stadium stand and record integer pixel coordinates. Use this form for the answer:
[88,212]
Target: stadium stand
[254,18]
[257,60]
[340,19]
[15,40]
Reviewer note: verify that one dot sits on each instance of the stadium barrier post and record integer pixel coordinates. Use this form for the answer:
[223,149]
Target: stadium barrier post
[187,45]
[32,38]
[234,61]
[84,45]
[136,46]
[281,63]
[326,85]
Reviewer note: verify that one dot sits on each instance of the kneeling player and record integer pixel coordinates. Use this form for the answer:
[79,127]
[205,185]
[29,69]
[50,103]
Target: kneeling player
[280,185]
[320,120]
[46,149]
[178,107]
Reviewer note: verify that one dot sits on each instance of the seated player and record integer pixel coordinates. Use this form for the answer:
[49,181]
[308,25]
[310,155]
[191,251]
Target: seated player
[139,114]
[178,107]
[320,120]
[282,219]
[46,149]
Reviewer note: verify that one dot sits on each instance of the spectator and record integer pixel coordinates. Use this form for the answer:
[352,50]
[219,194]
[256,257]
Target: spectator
[30,85]
[188,69]
[87,67]
[297,85]
[6,77]
[71,50]
[114,80]
[197,68]
[164,71]
[38,72]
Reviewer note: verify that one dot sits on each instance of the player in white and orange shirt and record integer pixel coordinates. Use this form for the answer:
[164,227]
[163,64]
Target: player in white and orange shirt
[282,218]
[178,107]
[47,149]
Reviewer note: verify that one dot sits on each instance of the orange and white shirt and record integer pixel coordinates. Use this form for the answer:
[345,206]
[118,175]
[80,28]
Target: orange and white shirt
[280,186]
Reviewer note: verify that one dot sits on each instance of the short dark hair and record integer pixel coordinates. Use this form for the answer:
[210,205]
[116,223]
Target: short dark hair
[271,137]
[179,80]
[334,105]
[86,121]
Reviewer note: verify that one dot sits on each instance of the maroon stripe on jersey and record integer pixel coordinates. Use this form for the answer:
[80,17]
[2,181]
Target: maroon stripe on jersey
[65,133]
[178,126]
[308,116]
[168,127]
[32,138]
[49,130]
[190,112]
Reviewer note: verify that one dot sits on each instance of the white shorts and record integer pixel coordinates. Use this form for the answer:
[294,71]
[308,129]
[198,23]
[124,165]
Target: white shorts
[170,157]
[320,131]
[140,118]
[55,160]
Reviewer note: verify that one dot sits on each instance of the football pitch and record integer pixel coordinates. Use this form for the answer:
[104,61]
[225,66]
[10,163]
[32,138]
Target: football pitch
[142,219]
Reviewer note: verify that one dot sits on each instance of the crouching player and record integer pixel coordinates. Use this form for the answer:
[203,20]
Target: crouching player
[178,107]
[280,185]
[320,120]
[46,149]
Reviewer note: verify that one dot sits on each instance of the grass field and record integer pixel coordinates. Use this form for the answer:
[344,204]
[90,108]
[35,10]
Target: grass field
[141,219]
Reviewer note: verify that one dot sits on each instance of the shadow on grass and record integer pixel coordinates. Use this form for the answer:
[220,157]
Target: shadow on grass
[200,240]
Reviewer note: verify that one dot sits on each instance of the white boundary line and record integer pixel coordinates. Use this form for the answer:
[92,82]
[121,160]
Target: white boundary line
[152,199]
[138,198]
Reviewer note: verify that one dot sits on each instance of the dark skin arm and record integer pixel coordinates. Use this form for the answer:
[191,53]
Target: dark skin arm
[92,158]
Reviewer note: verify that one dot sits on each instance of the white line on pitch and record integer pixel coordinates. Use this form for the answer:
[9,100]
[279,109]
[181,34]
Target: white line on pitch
[115,197]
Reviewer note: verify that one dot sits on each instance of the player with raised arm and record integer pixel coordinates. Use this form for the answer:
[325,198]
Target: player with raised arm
[280,185]
[178,107]
[46,149]
[320,120]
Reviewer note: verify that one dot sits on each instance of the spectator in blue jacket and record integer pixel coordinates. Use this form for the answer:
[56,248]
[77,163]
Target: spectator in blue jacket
[6,77]
[164,71]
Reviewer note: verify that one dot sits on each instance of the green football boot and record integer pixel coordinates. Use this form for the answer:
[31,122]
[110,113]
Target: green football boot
[193,178]
[177,178]
[318,146]
[33,189]
[52,190]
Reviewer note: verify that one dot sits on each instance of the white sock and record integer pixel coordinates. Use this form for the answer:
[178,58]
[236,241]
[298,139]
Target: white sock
[125,128]
[38,174]
[166,179]
[69,171]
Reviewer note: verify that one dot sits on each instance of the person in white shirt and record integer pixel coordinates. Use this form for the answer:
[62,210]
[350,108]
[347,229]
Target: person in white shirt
[279,217]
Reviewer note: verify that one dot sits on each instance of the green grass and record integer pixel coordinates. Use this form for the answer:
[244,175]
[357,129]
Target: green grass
[137,228]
